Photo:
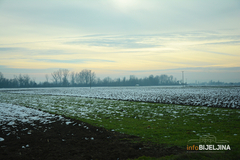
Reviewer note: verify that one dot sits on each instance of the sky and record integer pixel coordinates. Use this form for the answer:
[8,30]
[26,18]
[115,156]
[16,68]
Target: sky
[118,38]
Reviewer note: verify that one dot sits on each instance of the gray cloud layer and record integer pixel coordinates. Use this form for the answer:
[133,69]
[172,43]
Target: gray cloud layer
[108,16]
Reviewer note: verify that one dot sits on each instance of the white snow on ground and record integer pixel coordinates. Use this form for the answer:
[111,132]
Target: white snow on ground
[98,109]
[12,115]
[227,97]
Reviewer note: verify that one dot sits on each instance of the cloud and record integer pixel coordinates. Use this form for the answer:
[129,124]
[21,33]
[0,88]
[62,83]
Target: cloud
[11,70]
[5,49]
[208,69]
[219,53]
[134,41]
[74,60]
[114,41]
[138,34]
[33,51]
[224,43]
[52,52]
[237,69]
[108,17]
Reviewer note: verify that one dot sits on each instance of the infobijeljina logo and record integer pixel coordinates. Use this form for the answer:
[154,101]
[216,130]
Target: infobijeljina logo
[208,143]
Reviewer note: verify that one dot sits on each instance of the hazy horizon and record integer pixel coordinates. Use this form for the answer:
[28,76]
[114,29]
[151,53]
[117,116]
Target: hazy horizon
[119,38]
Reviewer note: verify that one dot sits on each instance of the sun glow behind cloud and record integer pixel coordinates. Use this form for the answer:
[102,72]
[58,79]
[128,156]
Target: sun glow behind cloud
[120,37]
[114,49]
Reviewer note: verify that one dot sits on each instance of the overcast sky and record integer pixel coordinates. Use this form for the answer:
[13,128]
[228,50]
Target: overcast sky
[119,38]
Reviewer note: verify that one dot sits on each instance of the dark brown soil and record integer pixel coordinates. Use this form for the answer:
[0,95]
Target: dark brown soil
[77,140]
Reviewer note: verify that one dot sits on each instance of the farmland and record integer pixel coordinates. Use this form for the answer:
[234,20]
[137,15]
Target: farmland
[227,97]
[162,115]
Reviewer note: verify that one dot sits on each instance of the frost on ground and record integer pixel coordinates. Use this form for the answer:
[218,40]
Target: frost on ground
[100,109]
[226,97]
[32,134]
[13,115]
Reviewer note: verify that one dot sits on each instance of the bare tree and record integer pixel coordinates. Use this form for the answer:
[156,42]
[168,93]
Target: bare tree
[107,80]
[171,79]
[55,77]
[163,79]
[99,81]
[85,75]
[65,73]
[77,78]
[1,77]
[26,80]
[32,82]
[93,77]
[15,81]
[59,75]
[46,76]
[20,80]
[72,75]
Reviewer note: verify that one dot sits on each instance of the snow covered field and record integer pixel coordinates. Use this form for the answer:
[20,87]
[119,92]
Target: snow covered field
[13,115]
[227,97]
[115,115]
[99,109]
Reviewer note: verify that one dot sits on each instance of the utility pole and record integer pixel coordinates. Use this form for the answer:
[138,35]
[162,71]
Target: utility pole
[183,78]
[90,78]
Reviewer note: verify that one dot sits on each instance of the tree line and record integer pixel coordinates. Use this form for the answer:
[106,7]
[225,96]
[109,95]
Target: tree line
[84,78]
[18,81]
